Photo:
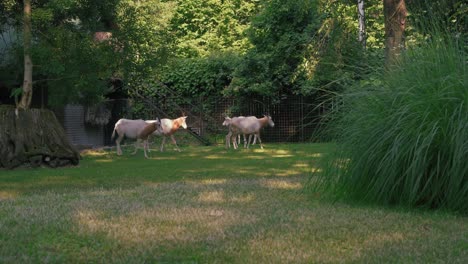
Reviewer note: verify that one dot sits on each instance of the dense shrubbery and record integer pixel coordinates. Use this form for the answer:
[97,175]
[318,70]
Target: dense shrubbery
[405,141]
[195,83]
[280,35]
[200,77]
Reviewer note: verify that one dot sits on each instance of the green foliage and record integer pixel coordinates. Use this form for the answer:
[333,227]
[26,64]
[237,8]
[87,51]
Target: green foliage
[201,27]
[450,15]
[8,10]
[405,141]
[270,47]
[65,58]
[279,35]
[75,68]
[335,59]
[16,94]
[195,82]
[289,47]
[200,77]
[375,26]
[143,39]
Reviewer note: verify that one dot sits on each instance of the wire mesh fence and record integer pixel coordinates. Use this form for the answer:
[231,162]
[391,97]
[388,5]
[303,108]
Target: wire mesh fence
[296,118]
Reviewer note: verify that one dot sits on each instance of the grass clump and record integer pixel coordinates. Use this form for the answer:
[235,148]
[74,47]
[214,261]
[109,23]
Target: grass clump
[404,140]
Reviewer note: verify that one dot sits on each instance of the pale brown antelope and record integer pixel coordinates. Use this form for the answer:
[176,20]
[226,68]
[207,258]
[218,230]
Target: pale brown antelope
[168,127]
[249,126]
[131,129]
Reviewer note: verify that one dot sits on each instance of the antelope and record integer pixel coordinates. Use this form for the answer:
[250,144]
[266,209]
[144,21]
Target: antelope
[131,129]
[249,126]
[168,127]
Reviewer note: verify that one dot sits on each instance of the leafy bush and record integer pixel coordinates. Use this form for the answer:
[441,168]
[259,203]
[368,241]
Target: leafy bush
[201,27]
[405,142]
[194,83]
[199,77]
[280,35]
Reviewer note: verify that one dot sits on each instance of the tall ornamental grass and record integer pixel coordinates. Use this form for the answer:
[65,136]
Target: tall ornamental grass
[403,140]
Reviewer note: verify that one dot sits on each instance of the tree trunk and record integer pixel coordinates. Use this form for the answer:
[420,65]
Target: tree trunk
[395,22]
[362,23]
[33,138]
[28,67]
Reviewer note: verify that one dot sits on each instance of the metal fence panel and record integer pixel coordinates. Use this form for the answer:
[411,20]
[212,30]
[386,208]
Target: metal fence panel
[296,117]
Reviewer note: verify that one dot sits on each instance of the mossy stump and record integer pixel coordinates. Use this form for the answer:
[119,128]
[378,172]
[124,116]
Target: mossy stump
[33,138]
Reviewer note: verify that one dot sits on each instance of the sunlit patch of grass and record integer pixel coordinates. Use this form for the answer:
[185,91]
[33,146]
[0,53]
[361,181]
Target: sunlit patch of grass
[254,157]
[285,173]
[316,170]
[104,160]
[282,184]
[243,198]
[301,165]
[258,150]
[54,179]
[211,196]
[281,156]
[165,225]
[213,181]
[155,157]
[6,195]
[94,153]
[214,157]
[282,151]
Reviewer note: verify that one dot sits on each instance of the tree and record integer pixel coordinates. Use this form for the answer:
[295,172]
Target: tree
[28,67]
[280,36]
[147,43]
[32,136]
[395,22]
[362,22]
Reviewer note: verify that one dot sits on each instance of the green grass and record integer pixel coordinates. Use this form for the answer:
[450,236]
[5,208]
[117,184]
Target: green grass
[403,140]
[208,205]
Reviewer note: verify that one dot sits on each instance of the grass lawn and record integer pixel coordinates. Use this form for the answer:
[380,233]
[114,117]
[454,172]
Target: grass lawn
[207,205]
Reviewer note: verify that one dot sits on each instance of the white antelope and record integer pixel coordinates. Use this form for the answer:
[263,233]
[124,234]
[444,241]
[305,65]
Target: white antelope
[168,127]
[131,129]
[227,122]
[249,126]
